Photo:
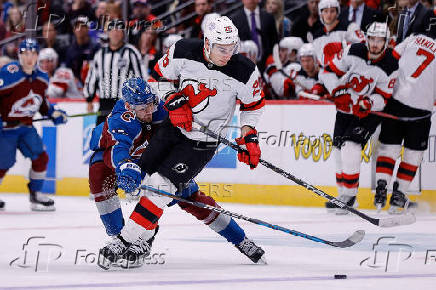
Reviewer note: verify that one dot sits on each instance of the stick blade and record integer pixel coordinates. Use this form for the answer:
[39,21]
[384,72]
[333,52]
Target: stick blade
[355,238]
[399,220]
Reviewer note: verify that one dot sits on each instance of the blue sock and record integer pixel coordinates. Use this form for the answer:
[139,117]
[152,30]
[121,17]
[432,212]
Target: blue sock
[233,233]
[35,184]
[113,222]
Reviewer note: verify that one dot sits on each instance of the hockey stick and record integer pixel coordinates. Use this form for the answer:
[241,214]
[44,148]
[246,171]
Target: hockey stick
[381,222]
[70,116]
[355,238]
[378,113]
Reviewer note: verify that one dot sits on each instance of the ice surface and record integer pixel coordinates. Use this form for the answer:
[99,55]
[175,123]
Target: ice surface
[188,255]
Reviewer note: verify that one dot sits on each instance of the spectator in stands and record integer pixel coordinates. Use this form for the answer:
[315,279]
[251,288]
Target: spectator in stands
[82,49]
[373,4]
[283,24]
[142,10]
[202,7]
[415,18]
[307,22]
[15,23]
[49,39]
[96,29]
[141,19]
[257,25]
[81,7]
[362,15]
[147,47]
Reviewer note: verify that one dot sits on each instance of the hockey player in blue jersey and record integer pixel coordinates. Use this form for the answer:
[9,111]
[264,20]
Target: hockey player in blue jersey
[22,95]
[118,144]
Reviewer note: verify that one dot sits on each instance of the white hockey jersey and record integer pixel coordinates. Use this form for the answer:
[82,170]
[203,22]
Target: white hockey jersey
[281,80]
[416,85]
[373,78]
[63,84]
[328,44]
[303,82]
[215,90]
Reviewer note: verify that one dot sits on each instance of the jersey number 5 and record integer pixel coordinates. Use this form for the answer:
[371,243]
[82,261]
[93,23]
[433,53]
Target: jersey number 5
[428,59]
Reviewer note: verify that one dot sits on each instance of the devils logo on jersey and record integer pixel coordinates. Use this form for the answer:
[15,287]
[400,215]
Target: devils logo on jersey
[360,84]
[198,94]
[27,106]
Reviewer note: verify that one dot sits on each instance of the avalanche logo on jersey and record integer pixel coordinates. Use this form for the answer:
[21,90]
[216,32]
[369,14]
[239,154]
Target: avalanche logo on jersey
[198,94]
[360,84]
[27,106]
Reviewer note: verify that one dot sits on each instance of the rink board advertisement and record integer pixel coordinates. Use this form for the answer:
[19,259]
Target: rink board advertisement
[296,137]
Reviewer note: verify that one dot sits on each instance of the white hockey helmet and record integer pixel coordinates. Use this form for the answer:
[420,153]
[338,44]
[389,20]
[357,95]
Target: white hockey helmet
[307,50]
[207,18]
[378,29]
[249,47]
[323,4]
[48,53]
[220,30]
[170,40]
[291,43]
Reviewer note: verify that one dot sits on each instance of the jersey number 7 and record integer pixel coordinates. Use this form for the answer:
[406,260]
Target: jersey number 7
[428,59]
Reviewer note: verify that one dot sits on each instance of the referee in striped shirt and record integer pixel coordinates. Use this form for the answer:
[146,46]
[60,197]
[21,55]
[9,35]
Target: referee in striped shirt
[111,66]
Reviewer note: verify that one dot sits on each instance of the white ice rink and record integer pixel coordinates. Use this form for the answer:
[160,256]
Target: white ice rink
[188,255]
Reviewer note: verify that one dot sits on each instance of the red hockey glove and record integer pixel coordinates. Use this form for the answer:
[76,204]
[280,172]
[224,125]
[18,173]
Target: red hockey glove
[342,98]
[363,106]
[249,151]
[179,110]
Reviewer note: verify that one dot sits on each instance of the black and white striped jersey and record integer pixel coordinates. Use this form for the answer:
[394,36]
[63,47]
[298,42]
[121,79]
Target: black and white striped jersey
[109,69]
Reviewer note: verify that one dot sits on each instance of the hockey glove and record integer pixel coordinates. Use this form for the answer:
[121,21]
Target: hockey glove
[128,176]
[179,110]
[58,116]
[342,98]
[319,89]
[363,106]
[249,150]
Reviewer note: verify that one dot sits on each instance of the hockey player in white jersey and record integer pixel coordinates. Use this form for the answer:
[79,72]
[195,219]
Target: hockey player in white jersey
[249,49]
[335,34]
[414,97]
[281,72]
[307,77]
[211,77]
[359,81]
[62,81]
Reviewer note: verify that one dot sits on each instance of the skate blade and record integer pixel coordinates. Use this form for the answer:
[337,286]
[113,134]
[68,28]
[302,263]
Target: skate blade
[40,207]
[262,260]
[379,207]
[341,211]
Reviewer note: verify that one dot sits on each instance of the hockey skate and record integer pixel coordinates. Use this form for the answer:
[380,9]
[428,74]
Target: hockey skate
[137,252]
[112,254]
[381,194]
[349,200]
[2,204]
[252,251]
[399,202]
[40,202]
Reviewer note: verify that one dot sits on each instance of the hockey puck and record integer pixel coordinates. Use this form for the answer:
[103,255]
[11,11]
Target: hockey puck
[340,276]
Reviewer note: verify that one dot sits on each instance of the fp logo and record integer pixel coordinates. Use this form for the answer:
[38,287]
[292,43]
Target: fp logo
[387,254]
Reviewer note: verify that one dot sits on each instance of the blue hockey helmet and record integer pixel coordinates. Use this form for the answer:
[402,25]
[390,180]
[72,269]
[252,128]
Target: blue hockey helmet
[137,92]
[29,44]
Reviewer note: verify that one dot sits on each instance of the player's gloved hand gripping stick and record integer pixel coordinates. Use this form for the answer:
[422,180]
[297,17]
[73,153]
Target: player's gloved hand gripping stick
[399,220]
